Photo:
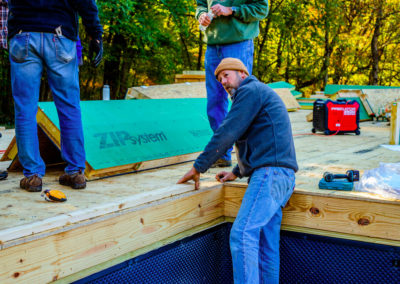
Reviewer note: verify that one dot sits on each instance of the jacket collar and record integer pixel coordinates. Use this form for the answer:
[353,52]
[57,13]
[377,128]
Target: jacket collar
[244,82]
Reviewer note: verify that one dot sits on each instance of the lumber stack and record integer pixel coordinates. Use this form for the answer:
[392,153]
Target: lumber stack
[288,99]
[395,124]
[190,76]
[168,91]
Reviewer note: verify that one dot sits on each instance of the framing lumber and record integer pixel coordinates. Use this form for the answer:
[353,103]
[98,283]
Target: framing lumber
[380,98]
[168,91]
[65,253]
[8,236]
[355,94]
[10,152]
[310,116]
[181,78]
[81,248]
[394,138]
[288,99]
[339,213]
[135,253]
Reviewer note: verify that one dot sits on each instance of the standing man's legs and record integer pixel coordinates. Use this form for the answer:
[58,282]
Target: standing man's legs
[26,71]
[217,98]
[62,69]
[259,218]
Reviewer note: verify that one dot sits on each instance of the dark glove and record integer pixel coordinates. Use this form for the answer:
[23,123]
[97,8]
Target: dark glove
[96,48]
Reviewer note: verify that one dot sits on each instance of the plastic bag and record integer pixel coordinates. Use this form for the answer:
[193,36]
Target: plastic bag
[384,180]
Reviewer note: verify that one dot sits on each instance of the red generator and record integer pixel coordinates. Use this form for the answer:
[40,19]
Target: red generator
[336,117]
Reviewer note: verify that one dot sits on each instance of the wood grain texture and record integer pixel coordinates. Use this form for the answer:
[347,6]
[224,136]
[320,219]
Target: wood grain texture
[394,135]
[168,91]
[63,254]
[97,268]
[335,214]
[181,78]
[288,99]
[92,174]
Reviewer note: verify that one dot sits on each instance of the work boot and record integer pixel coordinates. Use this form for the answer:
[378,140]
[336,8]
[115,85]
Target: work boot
[76,180]
[32,183]
[221,163]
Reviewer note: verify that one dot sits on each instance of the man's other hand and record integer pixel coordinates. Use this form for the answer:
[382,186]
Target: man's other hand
[193,174]
[225,176]
[219,10]
[96,51]
[204,20]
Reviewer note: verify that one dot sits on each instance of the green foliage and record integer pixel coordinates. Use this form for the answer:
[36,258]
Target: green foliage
[308,43]
[311,43]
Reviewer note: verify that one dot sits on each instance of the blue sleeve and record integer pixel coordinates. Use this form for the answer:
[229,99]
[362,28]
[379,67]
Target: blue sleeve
[87,9]
[245,107]
[236,171]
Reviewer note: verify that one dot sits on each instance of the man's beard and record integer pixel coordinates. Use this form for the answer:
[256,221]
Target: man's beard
[231,89]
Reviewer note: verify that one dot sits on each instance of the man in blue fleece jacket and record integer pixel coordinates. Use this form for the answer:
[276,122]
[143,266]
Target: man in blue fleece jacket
[259,126]
[43,35]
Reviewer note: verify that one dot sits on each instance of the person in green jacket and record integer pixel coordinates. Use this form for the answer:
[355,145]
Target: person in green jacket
[230,26]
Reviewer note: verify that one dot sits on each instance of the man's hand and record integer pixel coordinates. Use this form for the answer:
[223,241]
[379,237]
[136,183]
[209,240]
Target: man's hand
[204,20]
[96,50]
[225,176]
[193,174]
[219,10]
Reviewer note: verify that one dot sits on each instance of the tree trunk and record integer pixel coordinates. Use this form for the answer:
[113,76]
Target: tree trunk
[200,51]
[279,55]
[112,66]
[327,56]
[126,66]
[337,75]
[187,53]
[373,77]
[260,48]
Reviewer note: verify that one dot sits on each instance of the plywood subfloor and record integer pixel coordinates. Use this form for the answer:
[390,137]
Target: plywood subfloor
[315,154]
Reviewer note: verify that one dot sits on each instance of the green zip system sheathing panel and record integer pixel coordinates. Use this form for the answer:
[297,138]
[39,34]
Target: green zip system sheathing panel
[333,89]
[281,85]
[130,131]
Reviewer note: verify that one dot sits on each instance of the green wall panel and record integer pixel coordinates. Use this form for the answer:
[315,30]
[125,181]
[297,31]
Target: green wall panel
[121,132]
[333,89]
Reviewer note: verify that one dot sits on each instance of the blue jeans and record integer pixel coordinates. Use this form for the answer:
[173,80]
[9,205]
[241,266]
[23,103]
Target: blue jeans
[217,97]
[255,234]
[30,52]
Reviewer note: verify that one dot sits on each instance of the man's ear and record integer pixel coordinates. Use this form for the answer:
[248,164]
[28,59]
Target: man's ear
[242,74]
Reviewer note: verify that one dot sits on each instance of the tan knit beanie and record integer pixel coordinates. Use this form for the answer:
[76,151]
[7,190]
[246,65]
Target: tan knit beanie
[230,63]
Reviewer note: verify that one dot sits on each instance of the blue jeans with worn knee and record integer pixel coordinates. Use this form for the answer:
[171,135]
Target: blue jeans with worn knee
[255,234]
[217,97]
[30,53]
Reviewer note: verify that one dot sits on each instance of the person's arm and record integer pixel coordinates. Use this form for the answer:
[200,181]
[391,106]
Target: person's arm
[202,7]
[236,171]
[87,9]
[256,10]
[244,109]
